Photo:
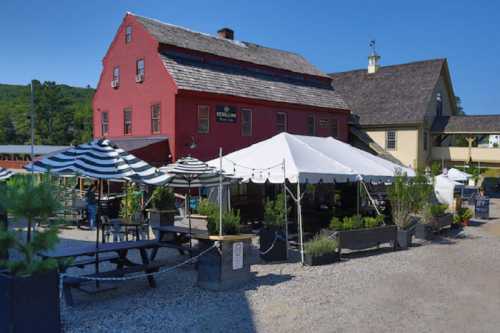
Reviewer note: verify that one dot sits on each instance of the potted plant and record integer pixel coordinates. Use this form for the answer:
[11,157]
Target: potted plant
[163,206]
[434,218]
[272,238]
[321,250]
[130,207]
[407,197]
[462,217]
[228,266]
[29,286]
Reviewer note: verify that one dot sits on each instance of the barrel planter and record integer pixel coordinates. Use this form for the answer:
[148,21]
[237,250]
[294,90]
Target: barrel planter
[226,267]
[424,231]
[325,259]
[365,238]
[440,222]
[272,243]
[29,304]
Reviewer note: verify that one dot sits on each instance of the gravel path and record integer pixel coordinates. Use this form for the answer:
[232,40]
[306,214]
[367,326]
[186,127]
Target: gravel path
[452,284]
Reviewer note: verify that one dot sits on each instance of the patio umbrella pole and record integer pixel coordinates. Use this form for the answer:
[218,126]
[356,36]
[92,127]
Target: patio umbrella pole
[189,217]
[98,226]
[299,218]
[220,192]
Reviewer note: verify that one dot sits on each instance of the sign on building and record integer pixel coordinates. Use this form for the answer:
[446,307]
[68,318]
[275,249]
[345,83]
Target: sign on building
[225,114]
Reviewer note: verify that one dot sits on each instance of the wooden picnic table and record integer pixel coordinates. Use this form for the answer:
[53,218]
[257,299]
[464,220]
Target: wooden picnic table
[124,265]
[121,223]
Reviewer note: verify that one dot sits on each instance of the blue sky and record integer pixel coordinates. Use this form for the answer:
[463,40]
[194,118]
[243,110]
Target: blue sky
[64,41]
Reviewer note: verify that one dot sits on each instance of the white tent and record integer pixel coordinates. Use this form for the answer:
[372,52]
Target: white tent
[457,175]
[306,159]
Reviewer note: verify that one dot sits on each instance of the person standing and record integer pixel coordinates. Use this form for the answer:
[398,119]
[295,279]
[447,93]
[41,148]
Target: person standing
[90,197]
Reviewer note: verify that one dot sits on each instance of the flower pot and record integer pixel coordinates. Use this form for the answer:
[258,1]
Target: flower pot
[272,244]
[365,238]
[30,304]
[226,267]
[404,238]
[424,231]
[466,222]
[325,259]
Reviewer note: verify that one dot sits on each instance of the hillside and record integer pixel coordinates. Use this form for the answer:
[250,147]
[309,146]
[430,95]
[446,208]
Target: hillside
[63,114]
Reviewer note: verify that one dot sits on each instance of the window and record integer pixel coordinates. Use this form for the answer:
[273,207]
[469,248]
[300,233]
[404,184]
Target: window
[128,34]
[246,122]
[390,140]
[311,125]
[127,121]
[203,119]
[281,122]
[139,67]
[439,105]
[116,74]
[104,123]
[334,128]
[426,140]
[155,118]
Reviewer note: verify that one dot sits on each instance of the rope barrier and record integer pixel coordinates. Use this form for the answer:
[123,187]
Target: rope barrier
[131,277]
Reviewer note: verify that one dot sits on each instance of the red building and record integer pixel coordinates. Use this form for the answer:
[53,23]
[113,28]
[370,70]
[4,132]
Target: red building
[203,92]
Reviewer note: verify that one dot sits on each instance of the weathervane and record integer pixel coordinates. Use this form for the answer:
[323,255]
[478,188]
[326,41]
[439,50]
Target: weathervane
[372,46]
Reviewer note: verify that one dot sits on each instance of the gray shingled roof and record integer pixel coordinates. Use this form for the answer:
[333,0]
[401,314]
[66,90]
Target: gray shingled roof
[467,124]
[191,73]
[134,143]
[243,51]
[396,94]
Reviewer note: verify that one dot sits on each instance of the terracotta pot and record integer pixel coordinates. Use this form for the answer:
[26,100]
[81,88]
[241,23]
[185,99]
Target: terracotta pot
[465,222]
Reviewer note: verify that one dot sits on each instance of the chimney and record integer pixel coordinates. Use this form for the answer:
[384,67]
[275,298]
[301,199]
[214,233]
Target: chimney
[373,59]
[226,33]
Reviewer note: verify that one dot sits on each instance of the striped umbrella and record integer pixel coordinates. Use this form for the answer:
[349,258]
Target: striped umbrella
[5,174]
[100,159]
[189,172]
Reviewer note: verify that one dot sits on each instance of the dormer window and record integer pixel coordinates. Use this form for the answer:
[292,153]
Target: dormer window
[439,105]
[128,34]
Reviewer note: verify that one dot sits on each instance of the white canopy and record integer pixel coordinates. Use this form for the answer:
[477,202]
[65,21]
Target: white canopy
[308,159]
[457,175]
[444,188]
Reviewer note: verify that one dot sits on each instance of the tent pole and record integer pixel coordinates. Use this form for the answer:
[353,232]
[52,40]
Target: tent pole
[98,226]
[286,210]
[299,217]
[357,198]
[220,191]
[189,217]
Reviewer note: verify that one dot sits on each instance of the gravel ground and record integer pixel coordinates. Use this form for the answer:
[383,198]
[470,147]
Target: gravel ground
[451,284]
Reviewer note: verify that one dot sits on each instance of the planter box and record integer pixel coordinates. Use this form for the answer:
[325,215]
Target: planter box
[278,252]
[424,231]
[228,267]
[442,221]
[30,304]
[324,259]
[159,218]
[366,238]
[405,238]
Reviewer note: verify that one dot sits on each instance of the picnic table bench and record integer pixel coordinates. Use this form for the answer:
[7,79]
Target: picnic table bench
[175,236]
[119,253]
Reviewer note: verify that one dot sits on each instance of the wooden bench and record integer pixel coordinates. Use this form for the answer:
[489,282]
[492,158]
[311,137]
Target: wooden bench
[81,263]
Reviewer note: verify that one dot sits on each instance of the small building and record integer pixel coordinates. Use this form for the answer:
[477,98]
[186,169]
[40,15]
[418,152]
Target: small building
[203,92]
[17,156]
[394,107]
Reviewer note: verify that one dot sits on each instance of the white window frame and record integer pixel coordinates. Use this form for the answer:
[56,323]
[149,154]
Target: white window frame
[200,118]
[128,34]
[387,139]
[243,122]
[140,71]
[116,74]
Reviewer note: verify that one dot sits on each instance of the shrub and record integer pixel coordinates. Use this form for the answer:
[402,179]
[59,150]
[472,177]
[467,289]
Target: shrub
[320,245]
[274,211]
[373,222]
[357,222]
[230,223]
[207,208]
[163,198]
[347,223]
[463,214]
[438,210]
[28,263]
[336,224]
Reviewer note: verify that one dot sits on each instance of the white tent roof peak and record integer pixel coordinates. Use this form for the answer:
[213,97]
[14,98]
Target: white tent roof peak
[307,159]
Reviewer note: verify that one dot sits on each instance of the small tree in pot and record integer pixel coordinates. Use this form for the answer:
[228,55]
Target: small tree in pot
[322,250]
[272,236]
[462,217]
[163,202]
[30,286]
[408,197]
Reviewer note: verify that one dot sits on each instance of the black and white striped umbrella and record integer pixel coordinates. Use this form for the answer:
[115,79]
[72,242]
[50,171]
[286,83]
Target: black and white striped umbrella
[189,172]
[100,159]
[5,174]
